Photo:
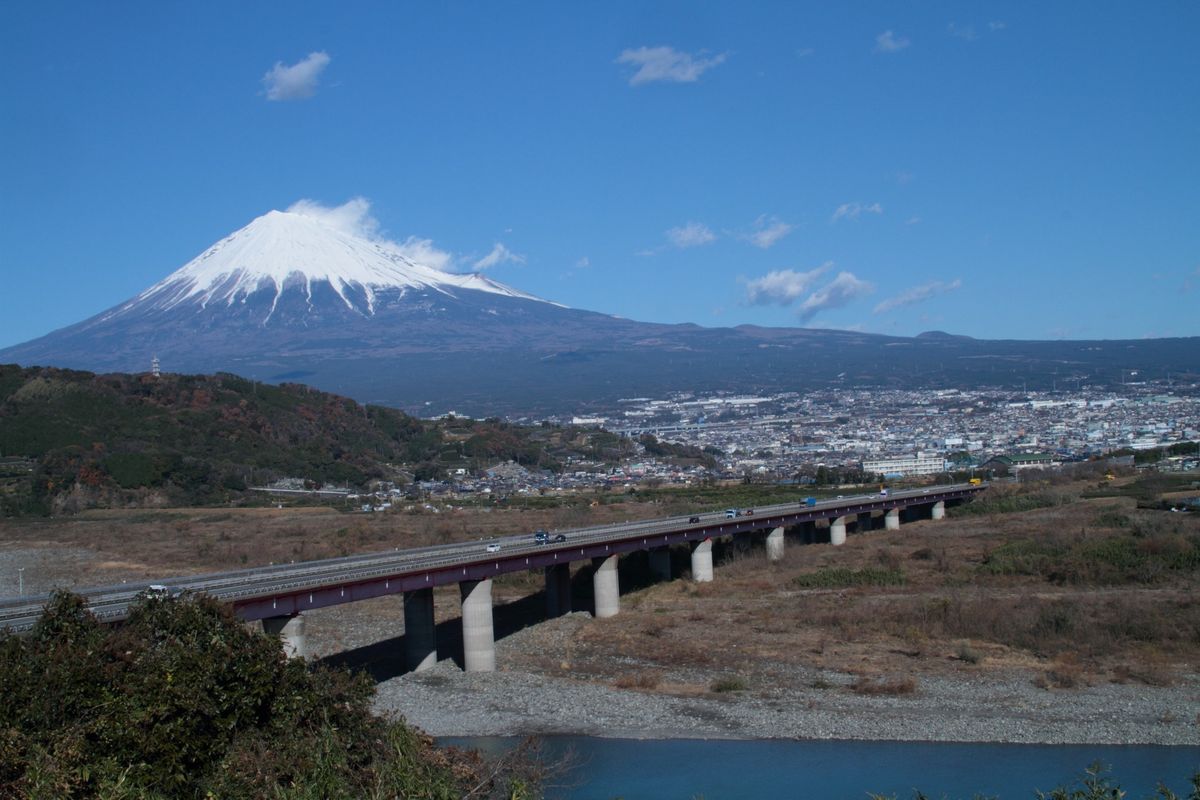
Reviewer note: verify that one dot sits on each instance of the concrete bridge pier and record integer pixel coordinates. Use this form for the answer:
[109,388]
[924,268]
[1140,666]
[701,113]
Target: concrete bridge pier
[606,588]
[775,544]
[891,520]
[702,562]
[290,630]
[660,563]
[479,641]
[939,510]
[558,590]
[420,634]
[837,531]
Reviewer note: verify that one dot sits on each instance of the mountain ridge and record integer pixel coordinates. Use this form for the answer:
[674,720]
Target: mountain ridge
[294,296]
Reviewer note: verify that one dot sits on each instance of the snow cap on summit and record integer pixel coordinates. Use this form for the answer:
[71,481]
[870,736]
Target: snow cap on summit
[306,244]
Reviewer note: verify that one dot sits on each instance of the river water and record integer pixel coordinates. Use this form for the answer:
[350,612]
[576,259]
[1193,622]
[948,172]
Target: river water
[663,769]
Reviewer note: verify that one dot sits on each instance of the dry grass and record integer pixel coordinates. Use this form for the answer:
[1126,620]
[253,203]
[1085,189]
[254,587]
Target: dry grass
[885,685]
[646,679]
[754,620]
[1065,673]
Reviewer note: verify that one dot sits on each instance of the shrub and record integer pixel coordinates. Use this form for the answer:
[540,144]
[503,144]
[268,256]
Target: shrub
[840,577]
[1132,557]
[995,501]
[184,701]
[1066,673]
[730,684]
[968,654]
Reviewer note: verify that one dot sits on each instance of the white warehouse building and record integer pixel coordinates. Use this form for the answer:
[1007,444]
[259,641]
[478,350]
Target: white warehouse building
[919,464]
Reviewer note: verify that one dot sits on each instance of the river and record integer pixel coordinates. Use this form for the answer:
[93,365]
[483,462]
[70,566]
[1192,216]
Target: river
[662,769]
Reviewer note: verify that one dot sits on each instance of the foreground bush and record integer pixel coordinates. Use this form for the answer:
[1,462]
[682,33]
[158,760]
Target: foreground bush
[184,701]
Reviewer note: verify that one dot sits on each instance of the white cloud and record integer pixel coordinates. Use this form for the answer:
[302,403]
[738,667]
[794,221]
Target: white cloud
[841,291]
[805,52]
[767,231]
[855,210]
[965,32]
[499,255]
[666,64]
[297,81]
[913,221]
[888,42]
[997,25]
[917,294]
[423,251]
[583,263]
[692,234]
[354,217]
[783,287]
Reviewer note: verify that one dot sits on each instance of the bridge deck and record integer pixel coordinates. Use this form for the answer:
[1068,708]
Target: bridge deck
[285,589]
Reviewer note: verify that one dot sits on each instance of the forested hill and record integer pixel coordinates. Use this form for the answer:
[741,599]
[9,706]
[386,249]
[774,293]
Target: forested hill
[83,439]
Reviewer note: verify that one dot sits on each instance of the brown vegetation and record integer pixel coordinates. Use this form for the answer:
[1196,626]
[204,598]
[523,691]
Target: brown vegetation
[1080,590]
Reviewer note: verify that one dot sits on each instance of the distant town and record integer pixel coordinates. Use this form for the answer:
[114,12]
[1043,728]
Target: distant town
[822,437]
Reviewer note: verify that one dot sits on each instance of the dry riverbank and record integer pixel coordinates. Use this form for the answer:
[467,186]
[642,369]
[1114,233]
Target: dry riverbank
[981,706]
[1077,621]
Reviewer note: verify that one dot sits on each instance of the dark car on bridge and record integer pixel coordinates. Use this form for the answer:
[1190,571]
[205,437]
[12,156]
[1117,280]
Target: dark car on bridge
[541,537]
[562,537]
[693,519]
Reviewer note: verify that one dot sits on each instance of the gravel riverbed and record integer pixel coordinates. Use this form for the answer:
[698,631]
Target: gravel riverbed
[445,701]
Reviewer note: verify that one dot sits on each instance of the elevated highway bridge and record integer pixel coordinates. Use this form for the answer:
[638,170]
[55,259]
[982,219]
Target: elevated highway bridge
[280,594]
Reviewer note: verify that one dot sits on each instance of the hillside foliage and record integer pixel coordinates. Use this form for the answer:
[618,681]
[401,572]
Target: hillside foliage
[184,701]
[120,439]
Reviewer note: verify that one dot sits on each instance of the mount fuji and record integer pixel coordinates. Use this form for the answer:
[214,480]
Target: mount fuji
[295,297]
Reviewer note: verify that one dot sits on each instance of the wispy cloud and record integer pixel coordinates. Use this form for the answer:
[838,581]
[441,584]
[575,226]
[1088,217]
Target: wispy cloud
[499,255]
[917,294]
[424,251]
[692,234]
[997,25]
[354,217]
[297,82]
[839,292]
[855,210]
[667,64]
[783,287]
[913,221]
[767,231]
[965,32]
[889,42]
[1190,280]
[805,52]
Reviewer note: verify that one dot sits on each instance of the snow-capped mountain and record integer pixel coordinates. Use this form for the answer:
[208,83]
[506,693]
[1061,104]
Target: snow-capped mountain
[295,296]
[284,251]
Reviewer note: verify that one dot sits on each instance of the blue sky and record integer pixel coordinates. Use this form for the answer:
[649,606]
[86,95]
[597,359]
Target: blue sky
[1003,171]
